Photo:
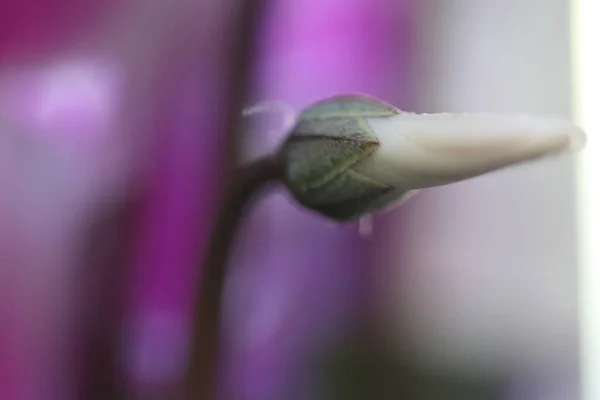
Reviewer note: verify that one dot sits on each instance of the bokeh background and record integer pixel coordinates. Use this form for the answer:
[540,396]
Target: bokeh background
[113,157]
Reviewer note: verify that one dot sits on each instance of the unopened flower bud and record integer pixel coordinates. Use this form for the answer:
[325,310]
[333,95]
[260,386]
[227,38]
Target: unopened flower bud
[348,156]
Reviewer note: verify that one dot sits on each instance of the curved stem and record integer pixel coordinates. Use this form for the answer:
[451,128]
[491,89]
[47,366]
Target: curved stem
[202,373]
[201,376]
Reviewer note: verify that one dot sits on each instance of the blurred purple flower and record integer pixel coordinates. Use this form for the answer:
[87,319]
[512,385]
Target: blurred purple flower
[102,103]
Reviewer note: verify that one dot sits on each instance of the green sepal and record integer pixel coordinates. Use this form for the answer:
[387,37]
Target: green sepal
[312,157]
[329,138]
[353,105]
[347,196]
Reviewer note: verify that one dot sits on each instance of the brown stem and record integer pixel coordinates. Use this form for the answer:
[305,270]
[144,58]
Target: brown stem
[102,285]
[202,374]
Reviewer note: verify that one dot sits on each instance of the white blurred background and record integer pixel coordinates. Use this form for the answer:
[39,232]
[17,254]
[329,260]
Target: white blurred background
[488,282]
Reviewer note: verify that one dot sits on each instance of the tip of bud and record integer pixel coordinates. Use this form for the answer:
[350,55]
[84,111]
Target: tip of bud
[547,127]
[577,139]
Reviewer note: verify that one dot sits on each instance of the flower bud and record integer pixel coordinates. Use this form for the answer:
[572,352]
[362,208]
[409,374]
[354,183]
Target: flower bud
[352,155]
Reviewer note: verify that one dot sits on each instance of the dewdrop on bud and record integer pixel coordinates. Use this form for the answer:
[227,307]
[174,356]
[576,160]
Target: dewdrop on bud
[349,156]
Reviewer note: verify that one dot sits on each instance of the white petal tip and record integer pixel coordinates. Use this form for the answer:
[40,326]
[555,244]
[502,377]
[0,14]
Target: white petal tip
[578,139]
[573,136]
[423,150]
